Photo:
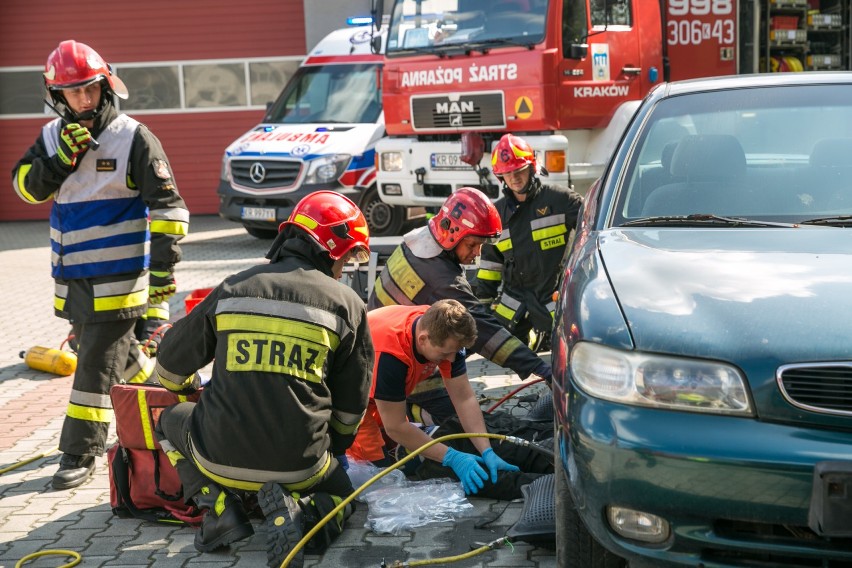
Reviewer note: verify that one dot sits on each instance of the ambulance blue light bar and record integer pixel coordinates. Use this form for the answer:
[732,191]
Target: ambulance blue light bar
[359,21]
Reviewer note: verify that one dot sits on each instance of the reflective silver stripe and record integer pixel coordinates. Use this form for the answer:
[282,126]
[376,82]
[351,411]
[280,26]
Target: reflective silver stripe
[169,376]
[90,399]
[347,417]
[120,288]
[497,340]
[509,301]
[549,221]
[392,290]
[167,446]
[505,235]
[170,214]
[551,307]
[60,290]
[490,265]
[284,309]
[98,232]
[140,363]
[102,255]
[256,475]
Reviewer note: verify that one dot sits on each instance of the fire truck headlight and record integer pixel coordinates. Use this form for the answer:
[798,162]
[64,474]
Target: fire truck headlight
[391,161]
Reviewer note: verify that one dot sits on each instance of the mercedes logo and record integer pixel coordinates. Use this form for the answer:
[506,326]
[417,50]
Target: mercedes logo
[257,172]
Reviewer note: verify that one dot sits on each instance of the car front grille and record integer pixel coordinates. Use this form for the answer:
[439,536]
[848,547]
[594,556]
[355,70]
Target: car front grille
[475,110]
[818,387]
[266,174]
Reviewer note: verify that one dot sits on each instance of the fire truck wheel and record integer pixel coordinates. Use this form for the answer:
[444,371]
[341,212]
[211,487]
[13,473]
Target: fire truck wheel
[383,219]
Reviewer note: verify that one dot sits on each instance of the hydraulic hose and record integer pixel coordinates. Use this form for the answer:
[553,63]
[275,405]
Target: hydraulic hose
[484,548]
[511,394]
[76,555]
[384,472]
[28,460]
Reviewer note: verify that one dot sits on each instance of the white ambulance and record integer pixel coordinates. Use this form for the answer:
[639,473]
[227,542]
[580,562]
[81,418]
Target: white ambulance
[320,133]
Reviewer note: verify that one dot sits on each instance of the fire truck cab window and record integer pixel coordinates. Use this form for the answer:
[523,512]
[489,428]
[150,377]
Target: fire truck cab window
[611,13]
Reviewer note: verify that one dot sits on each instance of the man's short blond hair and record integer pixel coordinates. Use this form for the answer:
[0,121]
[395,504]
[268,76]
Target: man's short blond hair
[447,319]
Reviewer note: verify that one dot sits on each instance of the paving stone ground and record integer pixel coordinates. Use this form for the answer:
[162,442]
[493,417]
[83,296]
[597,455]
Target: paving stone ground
[34,517]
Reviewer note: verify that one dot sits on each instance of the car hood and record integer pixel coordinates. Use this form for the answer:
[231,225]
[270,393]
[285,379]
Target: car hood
[305,141]
[721,292]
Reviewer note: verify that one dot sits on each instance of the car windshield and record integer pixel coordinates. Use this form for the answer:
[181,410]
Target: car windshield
[433,26]
[330,94]
[779,154]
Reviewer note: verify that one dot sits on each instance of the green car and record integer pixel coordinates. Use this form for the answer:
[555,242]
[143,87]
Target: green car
[702,345]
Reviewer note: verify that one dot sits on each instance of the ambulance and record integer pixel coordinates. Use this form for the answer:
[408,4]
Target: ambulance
[320,134]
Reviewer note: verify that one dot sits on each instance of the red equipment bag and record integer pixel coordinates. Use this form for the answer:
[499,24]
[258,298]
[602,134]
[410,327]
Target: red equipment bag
[143,484]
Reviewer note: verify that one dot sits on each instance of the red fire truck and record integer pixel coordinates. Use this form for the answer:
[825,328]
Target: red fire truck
[566,75]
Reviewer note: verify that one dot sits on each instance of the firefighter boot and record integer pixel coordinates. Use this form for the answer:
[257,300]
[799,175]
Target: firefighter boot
[225,521]
[283,523]
[73,471]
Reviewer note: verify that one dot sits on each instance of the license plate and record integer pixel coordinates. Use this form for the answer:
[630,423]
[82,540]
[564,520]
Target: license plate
[258,213]
[448,162]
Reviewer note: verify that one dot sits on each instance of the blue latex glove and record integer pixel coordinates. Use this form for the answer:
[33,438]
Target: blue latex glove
[343,461]
[468,468]
[495,463]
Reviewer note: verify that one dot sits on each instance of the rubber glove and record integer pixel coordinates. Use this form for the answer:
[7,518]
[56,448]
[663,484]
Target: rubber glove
[73,141]
[495,463]
[468,468]
[161,287]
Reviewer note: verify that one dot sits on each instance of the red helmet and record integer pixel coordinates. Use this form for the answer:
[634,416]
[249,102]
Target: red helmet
[75,64]
[335,222]
[510,154]
[468,211]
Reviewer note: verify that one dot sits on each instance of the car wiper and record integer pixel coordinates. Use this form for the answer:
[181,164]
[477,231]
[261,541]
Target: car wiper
[701,219]
[836,221]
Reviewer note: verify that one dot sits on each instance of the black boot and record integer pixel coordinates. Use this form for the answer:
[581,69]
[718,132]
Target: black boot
[225,521]
[283,523]
[73,471]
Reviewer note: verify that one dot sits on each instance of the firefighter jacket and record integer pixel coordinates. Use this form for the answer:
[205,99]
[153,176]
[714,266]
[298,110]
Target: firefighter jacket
[115,214]
[397,370]
[408,279]
[291,378]
[527,258]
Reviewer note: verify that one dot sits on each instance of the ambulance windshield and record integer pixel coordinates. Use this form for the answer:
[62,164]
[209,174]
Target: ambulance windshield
[340,93]
[419,26]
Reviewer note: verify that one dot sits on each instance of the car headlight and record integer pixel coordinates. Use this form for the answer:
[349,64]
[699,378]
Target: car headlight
[659,381]
[225,174]
[391,161]
[327,168]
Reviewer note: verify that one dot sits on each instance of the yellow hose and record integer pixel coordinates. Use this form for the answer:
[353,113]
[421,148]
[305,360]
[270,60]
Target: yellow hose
[375,478]
[28,460]
[34,555]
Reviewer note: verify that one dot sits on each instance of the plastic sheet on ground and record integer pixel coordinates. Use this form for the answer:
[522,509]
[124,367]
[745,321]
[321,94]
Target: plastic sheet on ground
[360,472]
[397,509]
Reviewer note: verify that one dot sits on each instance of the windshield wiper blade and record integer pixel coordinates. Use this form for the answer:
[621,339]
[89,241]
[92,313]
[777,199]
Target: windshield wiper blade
[702,219]
[835,221]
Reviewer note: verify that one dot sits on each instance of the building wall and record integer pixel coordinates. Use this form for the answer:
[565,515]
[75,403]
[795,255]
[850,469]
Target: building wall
[127,33]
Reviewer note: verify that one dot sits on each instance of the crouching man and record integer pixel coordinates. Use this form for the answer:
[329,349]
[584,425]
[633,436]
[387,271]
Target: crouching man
[293,357]
[411,342]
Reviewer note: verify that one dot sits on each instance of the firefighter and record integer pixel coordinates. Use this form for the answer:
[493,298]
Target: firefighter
[112,187]
[290,385]
[411,343]
[526,261]
[429,266]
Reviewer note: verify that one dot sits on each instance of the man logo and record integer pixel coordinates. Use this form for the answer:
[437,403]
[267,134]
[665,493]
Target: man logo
[257,172]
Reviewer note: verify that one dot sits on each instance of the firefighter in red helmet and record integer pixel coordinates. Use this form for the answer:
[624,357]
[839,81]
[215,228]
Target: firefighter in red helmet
[115,224]
[429,266]
[294,360]
[519,273]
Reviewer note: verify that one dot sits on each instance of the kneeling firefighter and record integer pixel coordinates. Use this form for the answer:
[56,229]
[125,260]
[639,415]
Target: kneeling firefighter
[294,359]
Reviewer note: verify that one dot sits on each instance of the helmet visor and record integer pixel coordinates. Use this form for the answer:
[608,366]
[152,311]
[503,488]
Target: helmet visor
[359,254]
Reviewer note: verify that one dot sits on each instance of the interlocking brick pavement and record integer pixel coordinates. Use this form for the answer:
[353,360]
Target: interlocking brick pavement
[34,517]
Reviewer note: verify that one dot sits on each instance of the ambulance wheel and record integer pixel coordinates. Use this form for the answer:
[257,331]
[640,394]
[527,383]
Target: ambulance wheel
[260,233]
[383,219]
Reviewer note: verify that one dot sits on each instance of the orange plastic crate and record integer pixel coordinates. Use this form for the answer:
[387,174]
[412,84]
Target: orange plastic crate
[195,298]
[784,22]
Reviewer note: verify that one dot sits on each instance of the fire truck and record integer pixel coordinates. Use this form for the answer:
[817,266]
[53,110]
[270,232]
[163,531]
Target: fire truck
[567,75]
